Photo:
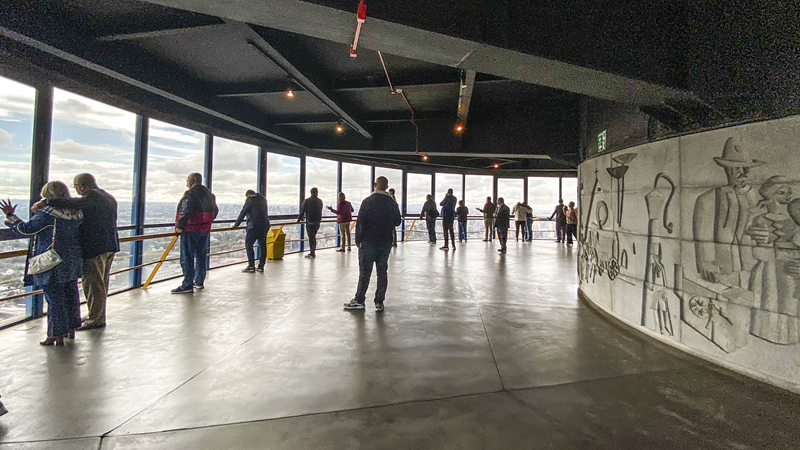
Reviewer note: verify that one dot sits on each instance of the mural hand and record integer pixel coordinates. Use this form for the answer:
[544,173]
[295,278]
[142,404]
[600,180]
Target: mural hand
[793,268]
[709,276]
[759,234]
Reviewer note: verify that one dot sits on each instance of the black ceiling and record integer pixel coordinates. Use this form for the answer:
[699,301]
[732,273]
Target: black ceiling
[229,77]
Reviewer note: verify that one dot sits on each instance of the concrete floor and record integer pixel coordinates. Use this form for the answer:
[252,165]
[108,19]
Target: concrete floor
[474,350]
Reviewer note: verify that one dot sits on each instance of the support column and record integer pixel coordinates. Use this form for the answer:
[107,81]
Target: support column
[433,186]
[560,188]
[208,164]
[464,188]
[302,197]
[338,190]
[404,204]
[525,189]
[372,176]
[494,189]
[40,170]
[262,171]
[138,206]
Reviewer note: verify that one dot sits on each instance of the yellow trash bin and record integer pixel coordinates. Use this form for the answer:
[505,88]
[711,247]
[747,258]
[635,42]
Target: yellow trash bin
[276,241]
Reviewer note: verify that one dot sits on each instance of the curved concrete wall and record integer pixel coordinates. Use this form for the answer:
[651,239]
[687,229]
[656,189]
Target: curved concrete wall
[696,240]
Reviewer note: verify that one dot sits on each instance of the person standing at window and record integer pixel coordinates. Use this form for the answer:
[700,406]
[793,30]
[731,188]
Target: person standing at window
[255,211]
[572,223]
[502,216]
[311,209]
[430,213]
[520,212]
[196,211]
[99,242]
[462,212]
[56,229]
[448,205]
[488,219]
[561,220]
[344,215]
[528,222]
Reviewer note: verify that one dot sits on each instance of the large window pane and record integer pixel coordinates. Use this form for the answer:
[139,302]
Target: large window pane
[569,190]
[283,184]
[419,186]
[356,183]
[395,177]
[445,181]
[477,188]
[235,169]
[511,189]
[542,195]
[322,174]
[16,132]
[173,153]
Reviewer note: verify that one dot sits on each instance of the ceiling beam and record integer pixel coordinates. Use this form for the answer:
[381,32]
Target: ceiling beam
[465,97]
[159,33]
[338,26]
[449,154]
[119,76]
[261,45]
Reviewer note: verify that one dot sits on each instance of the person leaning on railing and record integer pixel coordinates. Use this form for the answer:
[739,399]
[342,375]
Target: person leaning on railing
[196,211]
[255,210]
[344,215]
[311,211]
[57,229]
[430,213]
[488,218]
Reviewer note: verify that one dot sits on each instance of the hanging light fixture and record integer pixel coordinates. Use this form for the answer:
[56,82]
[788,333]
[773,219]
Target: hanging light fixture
[289,90]
[339,127]
[425,158]
[496,165]
[459,128]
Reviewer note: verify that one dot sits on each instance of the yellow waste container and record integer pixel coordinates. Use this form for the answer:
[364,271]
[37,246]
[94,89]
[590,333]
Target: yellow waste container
[276,241]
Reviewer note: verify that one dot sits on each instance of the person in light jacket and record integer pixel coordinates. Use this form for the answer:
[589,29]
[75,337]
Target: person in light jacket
[57,229]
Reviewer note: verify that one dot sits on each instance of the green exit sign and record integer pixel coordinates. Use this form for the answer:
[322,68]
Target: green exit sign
[601,141]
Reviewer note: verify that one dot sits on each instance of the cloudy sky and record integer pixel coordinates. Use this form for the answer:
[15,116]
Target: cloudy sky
[98,138]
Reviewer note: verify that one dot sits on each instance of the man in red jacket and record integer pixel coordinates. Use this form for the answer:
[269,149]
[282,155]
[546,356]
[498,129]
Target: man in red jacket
[196,210]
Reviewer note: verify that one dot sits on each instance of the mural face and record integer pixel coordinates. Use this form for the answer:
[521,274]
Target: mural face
[707,229]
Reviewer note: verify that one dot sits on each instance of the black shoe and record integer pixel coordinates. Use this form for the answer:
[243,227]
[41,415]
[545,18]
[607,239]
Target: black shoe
[182,290]
[249,269]
[353,305]
[259,269]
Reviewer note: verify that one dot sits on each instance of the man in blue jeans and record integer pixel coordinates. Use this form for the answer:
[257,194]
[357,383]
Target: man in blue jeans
[311,209]
[377,219]
[196,211]
[430,213]
[462,212]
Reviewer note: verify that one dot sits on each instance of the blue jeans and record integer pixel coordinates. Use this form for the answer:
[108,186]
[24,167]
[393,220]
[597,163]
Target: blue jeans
[570,230]
[431,223]
[462,231]
[194,247]
[367,256]
[529,228]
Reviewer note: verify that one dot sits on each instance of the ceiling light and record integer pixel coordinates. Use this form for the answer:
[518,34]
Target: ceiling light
[459,128]
[339,127]
[290,93]
[425,157]
[496,166]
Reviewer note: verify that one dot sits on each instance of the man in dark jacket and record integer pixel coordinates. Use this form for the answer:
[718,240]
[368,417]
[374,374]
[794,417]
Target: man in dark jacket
[430,213]
[501,222]
[561,221]
[488,219]
[196,211]
[377,219]
[255,210]
[448,205]
[311,209]
[462,212]
[99,242]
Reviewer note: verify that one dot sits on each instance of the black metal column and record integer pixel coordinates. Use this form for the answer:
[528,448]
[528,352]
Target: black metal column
[208,163]
[138,207]
[433,186]
[262,171]
[560,188]
[372,176]
[404,204]
[40,169]
[338,190]
[464,188]
[525,189]
[302,198]
[494,189]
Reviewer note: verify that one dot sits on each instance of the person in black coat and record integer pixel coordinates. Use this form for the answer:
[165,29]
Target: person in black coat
[430,213]
[377,219]
[255,211]
[502,217]
[311,210]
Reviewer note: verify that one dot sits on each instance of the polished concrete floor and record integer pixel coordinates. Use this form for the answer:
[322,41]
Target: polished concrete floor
[475,350]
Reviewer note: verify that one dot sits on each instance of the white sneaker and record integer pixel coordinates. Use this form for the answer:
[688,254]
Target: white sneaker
[378,307]
[354,305]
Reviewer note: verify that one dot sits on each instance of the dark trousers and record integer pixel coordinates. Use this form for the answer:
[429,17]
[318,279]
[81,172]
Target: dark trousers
[520,224]
[194,247]
[570,230]
[311,229]
[63,307]
[254,236]
[462,231]
[431,223]
[502,234]
[447,227]
[529,228]
[367,256]
[561,232]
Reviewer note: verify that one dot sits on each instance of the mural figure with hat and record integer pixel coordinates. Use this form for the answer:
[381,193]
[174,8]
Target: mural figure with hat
[723,222]
[774,278]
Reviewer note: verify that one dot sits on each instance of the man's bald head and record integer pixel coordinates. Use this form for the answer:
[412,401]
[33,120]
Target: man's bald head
[381,183]
[86,180]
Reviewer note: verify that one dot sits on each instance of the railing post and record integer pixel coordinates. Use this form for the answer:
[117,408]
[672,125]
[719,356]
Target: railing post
[138,207]
[40,170]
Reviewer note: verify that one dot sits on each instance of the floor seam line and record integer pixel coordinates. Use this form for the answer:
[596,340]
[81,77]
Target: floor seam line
[485,332]
[210,365]
[612,377]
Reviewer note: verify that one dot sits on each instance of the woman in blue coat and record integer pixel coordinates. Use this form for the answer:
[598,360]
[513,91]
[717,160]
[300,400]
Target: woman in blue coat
[60,283]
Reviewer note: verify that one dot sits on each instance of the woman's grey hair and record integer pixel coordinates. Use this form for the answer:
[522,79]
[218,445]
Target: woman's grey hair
[55,189]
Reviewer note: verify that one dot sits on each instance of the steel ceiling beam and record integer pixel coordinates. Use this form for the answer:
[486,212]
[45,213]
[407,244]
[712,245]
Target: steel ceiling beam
[260,44]
[449,154]
[465,97]
[160,33]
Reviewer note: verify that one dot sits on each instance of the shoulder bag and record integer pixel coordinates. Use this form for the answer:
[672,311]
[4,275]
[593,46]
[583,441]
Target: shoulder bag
[47,260]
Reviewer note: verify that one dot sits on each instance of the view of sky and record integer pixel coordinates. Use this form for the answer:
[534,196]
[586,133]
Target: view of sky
[16,133]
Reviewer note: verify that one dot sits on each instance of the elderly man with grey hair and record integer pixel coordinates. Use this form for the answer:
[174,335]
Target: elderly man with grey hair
[99,242]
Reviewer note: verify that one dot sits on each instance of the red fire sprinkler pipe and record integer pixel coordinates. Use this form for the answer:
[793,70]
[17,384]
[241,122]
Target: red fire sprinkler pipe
[361,17]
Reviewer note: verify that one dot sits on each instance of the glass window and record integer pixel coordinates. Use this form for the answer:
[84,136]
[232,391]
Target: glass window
[235,169]
[356,183]
[322,174]
[16,133]
[569,190]
[511,189]
[419,186]
[173,153]
[477,188]
[445,181]
[283,184]
[395,177]
[542,195]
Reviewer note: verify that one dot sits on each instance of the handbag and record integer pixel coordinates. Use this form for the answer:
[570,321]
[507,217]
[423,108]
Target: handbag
[47,260]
